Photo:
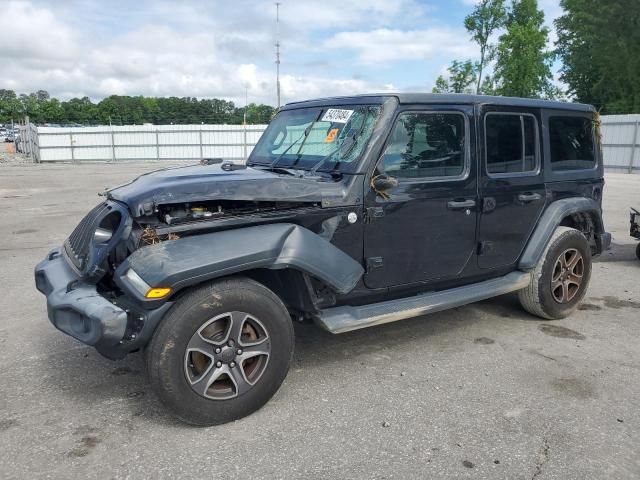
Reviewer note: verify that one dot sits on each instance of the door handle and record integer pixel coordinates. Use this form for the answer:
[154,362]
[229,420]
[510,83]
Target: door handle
[462,204]
[529,197]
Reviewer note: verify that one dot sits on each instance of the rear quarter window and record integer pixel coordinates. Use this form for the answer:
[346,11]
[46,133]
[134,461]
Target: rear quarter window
[572,143]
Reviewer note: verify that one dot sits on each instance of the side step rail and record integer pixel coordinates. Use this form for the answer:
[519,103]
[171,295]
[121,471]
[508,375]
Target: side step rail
[347,318]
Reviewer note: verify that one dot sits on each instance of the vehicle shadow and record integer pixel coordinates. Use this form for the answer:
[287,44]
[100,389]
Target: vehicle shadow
[315,346]
[619,252]
[86,378]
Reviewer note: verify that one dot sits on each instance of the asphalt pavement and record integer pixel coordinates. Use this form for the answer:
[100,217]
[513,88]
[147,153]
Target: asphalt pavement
[484,391]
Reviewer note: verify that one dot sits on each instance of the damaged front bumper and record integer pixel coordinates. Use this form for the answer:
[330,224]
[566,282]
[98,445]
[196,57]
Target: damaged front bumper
[75,307]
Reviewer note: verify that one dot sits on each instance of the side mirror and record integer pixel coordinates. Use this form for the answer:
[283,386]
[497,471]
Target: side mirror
[382,183]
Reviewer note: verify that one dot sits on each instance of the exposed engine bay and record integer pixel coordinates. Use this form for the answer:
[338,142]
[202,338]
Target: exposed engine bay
[172,221]
[188,212]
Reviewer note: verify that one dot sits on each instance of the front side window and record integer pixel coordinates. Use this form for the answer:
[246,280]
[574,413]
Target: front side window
[511,143]
[572,146]
[426,145]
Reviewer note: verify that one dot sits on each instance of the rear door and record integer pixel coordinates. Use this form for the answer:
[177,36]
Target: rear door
[424,229]
[512,187]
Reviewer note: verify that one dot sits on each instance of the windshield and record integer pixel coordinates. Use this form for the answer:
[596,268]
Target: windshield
[316,138]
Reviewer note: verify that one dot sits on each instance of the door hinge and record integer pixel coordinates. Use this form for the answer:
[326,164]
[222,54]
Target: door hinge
[374,212]
[373,263]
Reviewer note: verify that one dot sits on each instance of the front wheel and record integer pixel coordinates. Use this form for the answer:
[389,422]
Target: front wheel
[638,251]
[560,280]
[222,352]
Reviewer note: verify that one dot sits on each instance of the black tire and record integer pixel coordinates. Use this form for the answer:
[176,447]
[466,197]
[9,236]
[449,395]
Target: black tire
[539,298]
[638,251]
[169,363]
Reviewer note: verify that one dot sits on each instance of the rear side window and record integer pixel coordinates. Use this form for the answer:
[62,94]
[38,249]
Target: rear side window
[572,146]
[511,143]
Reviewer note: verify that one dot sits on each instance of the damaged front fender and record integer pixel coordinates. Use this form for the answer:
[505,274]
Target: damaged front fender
[191,260]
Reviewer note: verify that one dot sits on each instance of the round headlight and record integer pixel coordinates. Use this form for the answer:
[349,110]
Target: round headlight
[102,235]
[106,228]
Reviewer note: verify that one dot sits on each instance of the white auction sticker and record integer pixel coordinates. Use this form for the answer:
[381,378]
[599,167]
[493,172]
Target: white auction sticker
[337,115]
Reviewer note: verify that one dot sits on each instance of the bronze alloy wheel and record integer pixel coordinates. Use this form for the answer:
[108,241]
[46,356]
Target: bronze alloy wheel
[221,352]
[567,275]
[227,355]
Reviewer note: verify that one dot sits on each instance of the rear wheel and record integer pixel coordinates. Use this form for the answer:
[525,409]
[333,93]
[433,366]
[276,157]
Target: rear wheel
[560,280]
[221,352]
[638,251]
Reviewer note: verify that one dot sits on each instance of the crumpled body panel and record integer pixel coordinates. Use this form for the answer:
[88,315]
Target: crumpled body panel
[191,260]
[210,182]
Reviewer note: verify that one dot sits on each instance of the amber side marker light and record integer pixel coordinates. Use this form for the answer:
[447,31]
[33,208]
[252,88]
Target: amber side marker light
[157,292]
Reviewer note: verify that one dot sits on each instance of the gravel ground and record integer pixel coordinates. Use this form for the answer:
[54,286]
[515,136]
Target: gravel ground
[484,391]
[9,156]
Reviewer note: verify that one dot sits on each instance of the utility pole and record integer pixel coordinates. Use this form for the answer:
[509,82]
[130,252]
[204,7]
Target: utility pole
[244,120]
[278,51]
[246,102]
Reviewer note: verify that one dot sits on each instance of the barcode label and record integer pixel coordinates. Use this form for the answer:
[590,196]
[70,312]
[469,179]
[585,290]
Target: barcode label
[337,115]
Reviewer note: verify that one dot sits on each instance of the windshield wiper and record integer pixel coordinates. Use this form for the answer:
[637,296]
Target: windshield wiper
[345,149]
[318,164]
[304,135]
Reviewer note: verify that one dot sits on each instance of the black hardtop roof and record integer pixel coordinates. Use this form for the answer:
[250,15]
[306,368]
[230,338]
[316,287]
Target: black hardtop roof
[443,98]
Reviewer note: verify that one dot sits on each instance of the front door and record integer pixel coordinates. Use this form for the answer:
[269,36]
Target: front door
[511,186]
[423,229]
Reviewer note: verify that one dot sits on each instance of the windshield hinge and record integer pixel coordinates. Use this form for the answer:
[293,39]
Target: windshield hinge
[374,263]
[373,213]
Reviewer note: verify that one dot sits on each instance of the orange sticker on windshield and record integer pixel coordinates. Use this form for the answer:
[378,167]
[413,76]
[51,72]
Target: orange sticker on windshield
[331,136]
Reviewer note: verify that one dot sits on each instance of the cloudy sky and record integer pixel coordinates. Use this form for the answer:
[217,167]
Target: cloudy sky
[214,48]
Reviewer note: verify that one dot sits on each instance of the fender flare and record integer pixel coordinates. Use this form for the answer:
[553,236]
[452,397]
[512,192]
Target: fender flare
[191,260]
[551,219]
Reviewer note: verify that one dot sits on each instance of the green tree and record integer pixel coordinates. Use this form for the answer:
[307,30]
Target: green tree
[599,45]
[462,78]
[441,86]
[10,107]
[488,86]
[42,96]
[523,63]
[487,17]
[122,110]
[80,110]
[51,111]
[257,114]
[31,106]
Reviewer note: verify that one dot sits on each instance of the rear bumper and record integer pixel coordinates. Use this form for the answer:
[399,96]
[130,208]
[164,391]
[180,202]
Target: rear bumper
[76,308]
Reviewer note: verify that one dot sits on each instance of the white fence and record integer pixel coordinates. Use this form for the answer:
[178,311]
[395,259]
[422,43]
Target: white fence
[620,139]
[145,142]
[621,142]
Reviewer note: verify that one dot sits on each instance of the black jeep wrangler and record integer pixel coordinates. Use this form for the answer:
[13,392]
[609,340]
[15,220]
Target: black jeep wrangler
[350,212]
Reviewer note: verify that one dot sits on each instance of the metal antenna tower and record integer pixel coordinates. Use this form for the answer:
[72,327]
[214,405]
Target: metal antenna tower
[278,51]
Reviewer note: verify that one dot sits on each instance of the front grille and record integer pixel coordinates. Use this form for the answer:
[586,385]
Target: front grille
[78,245]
